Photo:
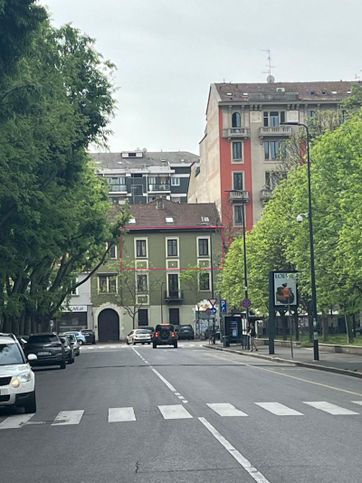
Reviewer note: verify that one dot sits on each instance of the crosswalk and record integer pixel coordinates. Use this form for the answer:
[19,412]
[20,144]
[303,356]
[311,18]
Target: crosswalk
[179,412]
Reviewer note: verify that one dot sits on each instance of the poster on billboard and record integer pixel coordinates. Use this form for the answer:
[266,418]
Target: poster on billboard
[285,289]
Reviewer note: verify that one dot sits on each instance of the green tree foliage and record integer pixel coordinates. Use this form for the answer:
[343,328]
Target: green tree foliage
[54,213]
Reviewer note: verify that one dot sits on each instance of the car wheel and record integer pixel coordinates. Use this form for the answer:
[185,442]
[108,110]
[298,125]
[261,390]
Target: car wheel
[175,345]
[148,343]
[154,346]
[62,365]
[127,341]
[134,342]
[93,342]
[30,406]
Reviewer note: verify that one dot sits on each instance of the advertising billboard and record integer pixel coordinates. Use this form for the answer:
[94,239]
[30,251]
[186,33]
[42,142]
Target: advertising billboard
[285,289]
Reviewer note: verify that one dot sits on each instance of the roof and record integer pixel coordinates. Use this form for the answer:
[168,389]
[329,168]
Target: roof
[302,91]
[144,159]
[183,215]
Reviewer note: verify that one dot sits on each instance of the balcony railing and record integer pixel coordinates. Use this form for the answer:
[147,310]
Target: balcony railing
[275,131]
[236,132]
[154,188]
[239,196]
[265,194]
[118,188]
[174,296]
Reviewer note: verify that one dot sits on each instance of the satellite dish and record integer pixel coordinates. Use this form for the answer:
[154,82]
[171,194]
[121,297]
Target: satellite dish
[270,79]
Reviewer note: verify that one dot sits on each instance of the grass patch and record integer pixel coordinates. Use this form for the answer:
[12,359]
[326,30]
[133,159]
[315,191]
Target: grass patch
[332,339]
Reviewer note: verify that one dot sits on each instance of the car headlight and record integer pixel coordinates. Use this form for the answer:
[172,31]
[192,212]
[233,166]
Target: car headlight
[21,378]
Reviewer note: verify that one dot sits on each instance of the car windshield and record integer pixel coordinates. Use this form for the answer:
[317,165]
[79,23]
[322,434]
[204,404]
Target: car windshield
[142,331]
[10,354]
[42,339]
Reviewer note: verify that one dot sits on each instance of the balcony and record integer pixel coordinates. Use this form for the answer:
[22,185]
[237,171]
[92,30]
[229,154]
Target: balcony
[265,194]
[236,132]
[159,188]
[239,196]
[174,296]
[275,131]
[117,188]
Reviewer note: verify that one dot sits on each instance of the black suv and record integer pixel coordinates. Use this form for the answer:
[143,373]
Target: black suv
[90,337]
[164,334]
[48,348]
[186,332]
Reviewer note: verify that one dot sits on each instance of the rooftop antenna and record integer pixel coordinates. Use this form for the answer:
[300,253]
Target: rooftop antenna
[270,78]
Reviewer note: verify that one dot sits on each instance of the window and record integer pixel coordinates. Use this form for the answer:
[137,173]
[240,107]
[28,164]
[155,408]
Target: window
[271,150]
[169,219]
[107,283]
[236,119]
[112,252]
[204,281]
[175,181]
[174,316]
[117,183]
[141,249]
[172,248]
[238,183]
[142,283]
[203,245]
[273,118]
[173,285]
[237,151]
[272,178]
[238,215]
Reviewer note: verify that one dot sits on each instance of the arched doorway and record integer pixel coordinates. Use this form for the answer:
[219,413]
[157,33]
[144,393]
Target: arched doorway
[108,326]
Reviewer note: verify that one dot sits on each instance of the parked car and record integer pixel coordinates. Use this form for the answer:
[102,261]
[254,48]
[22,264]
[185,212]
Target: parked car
[139,336]
[73,342]
[90,337]
[164,334]
[68,349]
[48,348]
[80,337]
[186,332]
[17,380]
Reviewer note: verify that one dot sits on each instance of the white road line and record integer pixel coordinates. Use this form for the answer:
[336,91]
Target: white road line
[226,409]
[253,472]
[174,411]
[357,402]
[278,409]
[168,384]
[119,415]
[68,417]
[330,408]
[14,422]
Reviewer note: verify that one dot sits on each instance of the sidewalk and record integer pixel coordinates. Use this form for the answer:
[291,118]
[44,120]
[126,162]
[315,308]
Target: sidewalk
[342,363]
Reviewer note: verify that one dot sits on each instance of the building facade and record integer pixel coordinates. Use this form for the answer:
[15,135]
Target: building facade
[139,177]
[166,262]
[244,129]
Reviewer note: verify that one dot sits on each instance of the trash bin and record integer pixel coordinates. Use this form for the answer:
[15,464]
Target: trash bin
[226,341]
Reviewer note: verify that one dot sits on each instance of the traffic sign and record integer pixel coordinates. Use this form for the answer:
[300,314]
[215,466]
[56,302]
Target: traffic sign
[213,310]
[246,303]
[223,306]
[212,302]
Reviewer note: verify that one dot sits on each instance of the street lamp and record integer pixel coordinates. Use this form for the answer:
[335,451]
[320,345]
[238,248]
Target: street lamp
[311,245]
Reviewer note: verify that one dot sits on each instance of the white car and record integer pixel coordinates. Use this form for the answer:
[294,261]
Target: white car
[17,380]
[80,337]
[139,336]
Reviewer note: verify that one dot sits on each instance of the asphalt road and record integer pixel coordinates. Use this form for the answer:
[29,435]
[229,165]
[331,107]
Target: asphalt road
[135,414]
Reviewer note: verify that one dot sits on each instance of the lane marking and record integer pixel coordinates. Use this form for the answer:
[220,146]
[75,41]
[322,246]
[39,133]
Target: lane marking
[330,408]
[14,422]
[225,409]
[165,381]
[357,402]
[65,418]
[174,411]
[245,463]
[118,415]
[278,409]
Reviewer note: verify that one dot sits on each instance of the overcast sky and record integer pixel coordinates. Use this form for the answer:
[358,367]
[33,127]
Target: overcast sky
[168,52]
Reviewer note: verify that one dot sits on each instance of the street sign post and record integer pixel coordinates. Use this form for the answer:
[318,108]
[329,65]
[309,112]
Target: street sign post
[246,303]
[223,306]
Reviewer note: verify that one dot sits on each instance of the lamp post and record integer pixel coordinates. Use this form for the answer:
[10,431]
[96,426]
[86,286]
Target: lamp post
[311,245]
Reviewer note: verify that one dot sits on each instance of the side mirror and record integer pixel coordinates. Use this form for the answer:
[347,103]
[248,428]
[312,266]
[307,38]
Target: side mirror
[32,357]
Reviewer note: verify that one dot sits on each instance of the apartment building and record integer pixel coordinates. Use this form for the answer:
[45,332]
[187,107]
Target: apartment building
[140,177]
[166,263]
[244,130]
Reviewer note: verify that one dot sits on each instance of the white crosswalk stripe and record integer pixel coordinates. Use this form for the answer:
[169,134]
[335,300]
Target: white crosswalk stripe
[330,408]
[174,411]
[226,409]
[357,402]
[14,422]
[278,409]
[65,418]
[119,415]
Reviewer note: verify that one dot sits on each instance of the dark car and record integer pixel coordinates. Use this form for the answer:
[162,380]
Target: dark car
[68,348]
[164,334]
[186,332]
[48,348]
[90,337]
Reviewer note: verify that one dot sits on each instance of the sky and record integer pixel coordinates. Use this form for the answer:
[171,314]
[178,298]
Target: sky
[168,52]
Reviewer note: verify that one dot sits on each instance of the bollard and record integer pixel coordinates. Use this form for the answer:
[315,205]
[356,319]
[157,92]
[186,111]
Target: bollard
[226,341]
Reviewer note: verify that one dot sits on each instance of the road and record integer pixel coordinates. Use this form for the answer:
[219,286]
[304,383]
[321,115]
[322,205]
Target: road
[135,414]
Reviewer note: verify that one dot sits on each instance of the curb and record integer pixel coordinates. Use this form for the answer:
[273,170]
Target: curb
[309,365]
